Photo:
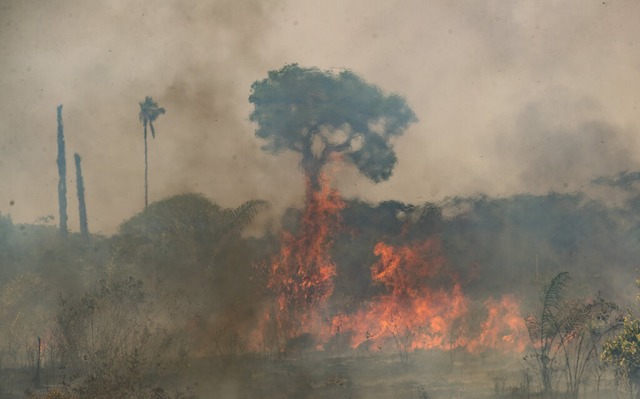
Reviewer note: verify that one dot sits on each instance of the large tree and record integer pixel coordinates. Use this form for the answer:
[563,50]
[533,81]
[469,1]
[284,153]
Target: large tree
[321,114]
[149,112]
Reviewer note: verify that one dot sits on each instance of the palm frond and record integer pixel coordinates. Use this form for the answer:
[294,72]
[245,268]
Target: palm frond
[551,301]
[234,221]
[149,111]
[533,327]
[243,215]
[553,294]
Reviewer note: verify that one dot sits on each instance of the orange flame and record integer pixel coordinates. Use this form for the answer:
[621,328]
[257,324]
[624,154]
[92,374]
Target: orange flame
[414,311]
[504,327]
[422,305]
[302,274]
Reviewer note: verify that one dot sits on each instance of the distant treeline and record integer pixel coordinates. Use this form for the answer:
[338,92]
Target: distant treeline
[495,245]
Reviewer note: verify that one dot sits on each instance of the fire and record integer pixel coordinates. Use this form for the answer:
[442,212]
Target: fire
[503,328]
[426,301]
[414,311]
[424,306]
[421,305]
[302,273]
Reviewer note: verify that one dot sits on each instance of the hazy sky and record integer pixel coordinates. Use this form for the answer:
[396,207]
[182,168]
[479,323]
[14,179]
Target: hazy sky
[512,96]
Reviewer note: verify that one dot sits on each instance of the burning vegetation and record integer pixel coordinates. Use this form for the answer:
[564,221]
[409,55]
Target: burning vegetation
[421,304]
[348,300]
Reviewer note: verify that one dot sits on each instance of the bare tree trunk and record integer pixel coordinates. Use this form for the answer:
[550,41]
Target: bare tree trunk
[82,207]
[62,172]
[36,378]
[146,167]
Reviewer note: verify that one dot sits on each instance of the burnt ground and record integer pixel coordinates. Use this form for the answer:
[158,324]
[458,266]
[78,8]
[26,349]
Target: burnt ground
[313,375]
[427,374]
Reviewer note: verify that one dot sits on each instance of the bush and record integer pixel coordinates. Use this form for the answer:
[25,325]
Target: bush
[116,342]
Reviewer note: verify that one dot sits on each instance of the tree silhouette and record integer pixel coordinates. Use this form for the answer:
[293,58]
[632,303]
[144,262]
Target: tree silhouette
[323,116]
[187,230]
[320,115]
[149,112]
[545,331]
[62,173]
[82,206]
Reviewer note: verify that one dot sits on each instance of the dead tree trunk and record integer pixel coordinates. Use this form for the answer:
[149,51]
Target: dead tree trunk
[82,207]
[62,172]
[36,378]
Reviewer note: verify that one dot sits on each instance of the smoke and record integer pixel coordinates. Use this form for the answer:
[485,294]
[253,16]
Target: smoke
[467,69]
[624,180]
[513,98]
[197,60]
[561,143]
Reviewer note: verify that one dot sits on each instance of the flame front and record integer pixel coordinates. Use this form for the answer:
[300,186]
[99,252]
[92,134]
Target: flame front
[504,327]
[424,307]
[302,273]
[421,304]
[421,307]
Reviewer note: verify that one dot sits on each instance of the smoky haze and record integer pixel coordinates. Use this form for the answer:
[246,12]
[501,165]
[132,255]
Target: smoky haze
[197,60]
[522,164]
[510,98]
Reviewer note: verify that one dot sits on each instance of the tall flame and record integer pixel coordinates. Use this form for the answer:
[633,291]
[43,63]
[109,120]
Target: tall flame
[421,304]
[302,273]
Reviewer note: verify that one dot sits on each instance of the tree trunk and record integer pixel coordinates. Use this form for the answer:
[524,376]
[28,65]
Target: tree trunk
[62,172]
[312,168]
[36,378]
[82,207]
[546,377]
[146,182]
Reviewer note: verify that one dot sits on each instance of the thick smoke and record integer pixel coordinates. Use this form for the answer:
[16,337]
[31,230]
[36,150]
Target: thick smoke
[468,70]
[560,144]
[197,60]
[527,125]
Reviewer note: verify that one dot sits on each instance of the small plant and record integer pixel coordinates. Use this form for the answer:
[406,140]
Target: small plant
[111,342]
[422,392]
[499,381]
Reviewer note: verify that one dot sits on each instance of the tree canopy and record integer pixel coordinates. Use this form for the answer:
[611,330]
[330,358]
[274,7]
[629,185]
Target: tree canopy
[149,112]
[181,235]
[320,114]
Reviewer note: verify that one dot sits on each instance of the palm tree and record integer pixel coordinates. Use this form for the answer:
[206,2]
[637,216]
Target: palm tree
[149,112]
